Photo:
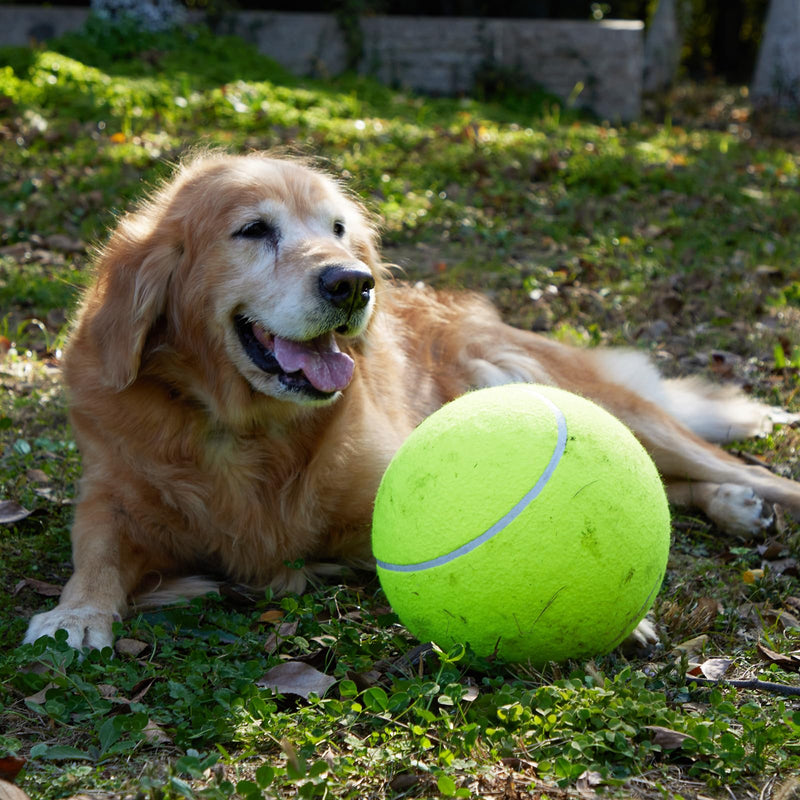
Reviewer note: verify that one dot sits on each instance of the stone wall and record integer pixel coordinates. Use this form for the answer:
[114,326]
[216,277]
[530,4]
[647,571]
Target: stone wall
[437,55]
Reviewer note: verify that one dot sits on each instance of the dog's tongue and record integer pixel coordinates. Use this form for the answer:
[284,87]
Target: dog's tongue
[327,368]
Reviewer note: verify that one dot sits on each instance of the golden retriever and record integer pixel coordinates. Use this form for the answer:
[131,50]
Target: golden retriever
[243,369]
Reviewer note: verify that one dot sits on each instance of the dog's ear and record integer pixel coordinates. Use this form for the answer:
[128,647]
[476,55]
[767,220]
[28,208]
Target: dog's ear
[134,276]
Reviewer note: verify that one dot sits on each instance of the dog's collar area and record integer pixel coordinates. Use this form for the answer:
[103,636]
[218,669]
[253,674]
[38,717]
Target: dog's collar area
[316,368]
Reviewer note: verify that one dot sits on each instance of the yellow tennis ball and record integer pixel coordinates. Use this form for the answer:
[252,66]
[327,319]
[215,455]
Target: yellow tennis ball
[524,520]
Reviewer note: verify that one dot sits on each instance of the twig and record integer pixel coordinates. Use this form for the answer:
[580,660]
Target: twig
[751,459]
[762,686]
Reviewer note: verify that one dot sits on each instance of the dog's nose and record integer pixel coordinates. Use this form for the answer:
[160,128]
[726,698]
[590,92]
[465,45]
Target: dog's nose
[346,287]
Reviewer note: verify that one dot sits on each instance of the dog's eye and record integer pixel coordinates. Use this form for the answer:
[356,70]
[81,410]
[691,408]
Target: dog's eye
[258,229]
[338,229]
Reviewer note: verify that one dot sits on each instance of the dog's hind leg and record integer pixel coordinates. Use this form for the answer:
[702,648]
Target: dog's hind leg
[733,508]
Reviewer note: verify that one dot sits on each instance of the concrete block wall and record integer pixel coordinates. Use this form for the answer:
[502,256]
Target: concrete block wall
[437,55]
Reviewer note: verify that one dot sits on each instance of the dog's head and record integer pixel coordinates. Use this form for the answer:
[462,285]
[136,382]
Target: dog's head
[264,260]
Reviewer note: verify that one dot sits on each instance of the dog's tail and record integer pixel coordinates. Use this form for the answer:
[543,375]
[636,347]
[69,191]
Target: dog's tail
[713,412]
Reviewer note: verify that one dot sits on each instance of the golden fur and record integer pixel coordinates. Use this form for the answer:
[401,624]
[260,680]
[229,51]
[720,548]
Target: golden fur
[198,461]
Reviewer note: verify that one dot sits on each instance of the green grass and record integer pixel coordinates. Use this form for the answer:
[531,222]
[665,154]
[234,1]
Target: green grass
[591,232]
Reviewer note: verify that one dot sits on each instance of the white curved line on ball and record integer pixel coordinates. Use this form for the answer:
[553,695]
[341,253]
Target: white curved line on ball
[505,521]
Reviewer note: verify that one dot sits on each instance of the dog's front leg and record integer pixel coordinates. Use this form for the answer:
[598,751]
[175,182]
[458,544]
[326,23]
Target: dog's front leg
[107,568]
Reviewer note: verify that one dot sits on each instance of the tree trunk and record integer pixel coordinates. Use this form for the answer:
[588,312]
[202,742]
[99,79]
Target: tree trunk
[662,48]
[777,76]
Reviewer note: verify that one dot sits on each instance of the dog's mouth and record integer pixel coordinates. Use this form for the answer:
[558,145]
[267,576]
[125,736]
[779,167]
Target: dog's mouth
[316,367]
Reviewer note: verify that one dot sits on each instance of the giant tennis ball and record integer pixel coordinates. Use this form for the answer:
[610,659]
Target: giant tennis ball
[524,520]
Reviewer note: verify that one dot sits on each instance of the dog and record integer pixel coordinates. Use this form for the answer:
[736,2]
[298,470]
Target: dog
[243,368]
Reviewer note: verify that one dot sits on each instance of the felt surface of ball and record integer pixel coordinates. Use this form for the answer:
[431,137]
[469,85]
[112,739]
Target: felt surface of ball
[524,520]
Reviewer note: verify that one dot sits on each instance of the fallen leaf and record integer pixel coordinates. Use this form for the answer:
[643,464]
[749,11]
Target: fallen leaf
[779,616]
[793,603]
[37,476]
[295,677]
[52,495]
[404,781]
[786,790]
[706,610]
[666,738]
[771,550]
[40,587]
[130,647]
[55,318]
[39,697]
[282,632]
[155,734]
[587,780]
[787,662]
[58,241]
[365,680]
[142,688]
[272,616]
[326,640]
[691,647]
[784,566]
[715,668]
[11,512]
[8,791]
[472,693]
[10,767]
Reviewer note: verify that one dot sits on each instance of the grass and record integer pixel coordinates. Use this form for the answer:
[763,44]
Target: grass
[677,238]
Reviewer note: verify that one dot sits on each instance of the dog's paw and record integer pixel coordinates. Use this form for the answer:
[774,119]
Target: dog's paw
[739,510]
[778,416]
[86,626]
[643,636]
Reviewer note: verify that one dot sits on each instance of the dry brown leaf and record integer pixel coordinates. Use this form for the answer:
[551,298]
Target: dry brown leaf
[779,616]
[793,603]
[295,677]
[39,697]
[787,790]
[154,734]
[666,738]
[771,550]
[141,689]
[40,587]
[58,241]
[10,767]
[365,680]
[784,566]
[272,616]
[587,781]
[37,476]
[8,791]
[283,631]
[787,662]
[404,781]
[130,647]
[11,512]
[691,647]
[472,693]
[702,616]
